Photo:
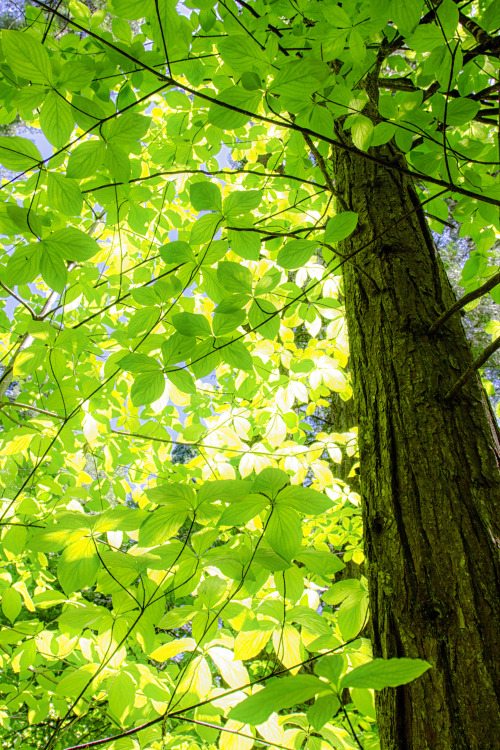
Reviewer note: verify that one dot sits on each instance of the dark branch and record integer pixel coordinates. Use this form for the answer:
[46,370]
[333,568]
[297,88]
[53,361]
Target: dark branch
[478,362]
[460,303]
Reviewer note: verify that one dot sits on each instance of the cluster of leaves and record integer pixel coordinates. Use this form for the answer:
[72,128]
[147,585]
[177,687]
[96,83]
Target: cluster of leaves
[155,298]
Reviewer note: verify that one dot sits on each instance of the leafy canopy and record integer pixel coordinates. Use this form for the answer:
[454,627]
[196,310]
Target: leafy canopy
[172,288]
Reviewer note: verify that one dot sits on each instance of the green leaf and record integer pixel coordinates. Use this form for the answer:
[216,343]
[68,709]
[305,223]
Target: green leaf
[48,599]
[205,196]
[12,603]
[382,133]
[29,360]
[181,495]
[160,526]
[426,38]
[205,358]
[19,154]
[75,76]
[78,566]
[264,319]
[55,537]
[182,379]
[56,119]
[229,490]
[23,265]
[268,282]
[175,618]
[204,229]
[53,268]
[241,52]
[121,695]
[223,324]
[296,253]
[342,590]
[322,711]
[270,481]
[136,362]
[75,681]
[305,500]
[117,162]
[239,98]
[461,111]
[86,159]
[241,201]
[490,19]
[173,648]
[125,130]
[352,615]
[177,348]
[132,10]
[147,388]
[448,14]
[290,585]
[234,277]
[364,701]
[14,220]
[279,694]
[361,131]
[381,673]
[143,321]
[27,57]
[211,591]
[72,244]
[242,512]
[284,532]
[252,638]
[245,244]
[341,226]
[251,81]
[331,667]
[300,77]
[189,324]
[177,252]
[238,356]
[63,194]
[321,562]
[406,14]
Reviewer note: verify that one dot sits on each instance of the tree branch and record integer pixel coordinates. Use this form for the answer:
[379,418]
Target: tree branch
[491,349]
[480,35]
[469,297]
[181,711]
[168,80]
[320,162]
[17,405]
[19,299]
[231,731]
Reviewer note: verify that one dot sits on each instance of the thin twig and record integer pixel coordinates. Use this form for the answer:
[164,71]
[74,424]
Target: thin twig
[352,729]
[231,731]
[469,297]
[175,714]
[169,81]
[16,421]
[491,349]
[18,405]
[19,299]
[320,162]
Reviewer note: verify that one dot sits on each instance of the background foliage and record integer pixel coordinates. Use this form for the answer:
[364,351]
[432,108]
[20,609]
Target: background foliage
[180,517]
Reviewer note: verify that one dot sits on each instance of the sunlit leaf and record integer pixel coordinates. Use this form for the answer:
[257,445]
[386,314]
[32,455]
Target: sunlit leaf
[277,695]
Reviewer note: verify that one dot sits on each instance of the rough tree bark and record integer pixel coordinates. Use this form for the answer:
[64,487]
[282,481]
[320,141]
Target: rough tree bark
[430,477]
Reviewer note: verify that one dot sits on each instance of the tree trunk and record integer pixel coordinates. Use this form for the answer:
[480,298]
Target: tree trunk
[429,473]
